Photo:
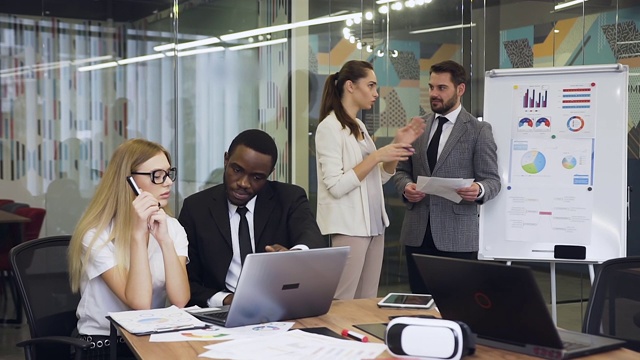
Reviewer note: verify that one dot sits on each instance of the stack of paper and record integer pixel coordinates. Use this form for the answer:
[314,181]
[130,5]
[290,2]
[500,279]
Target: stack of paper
[294,345]
[144,322]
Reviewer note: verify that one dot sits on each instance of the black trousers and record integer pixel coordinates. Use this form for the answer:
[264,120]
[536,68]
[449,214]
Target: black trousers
[428,247]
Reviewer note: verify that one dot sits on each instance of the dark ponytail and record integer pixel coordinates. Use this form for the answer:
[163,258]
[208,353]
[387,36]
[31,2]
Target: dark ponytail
[333,90]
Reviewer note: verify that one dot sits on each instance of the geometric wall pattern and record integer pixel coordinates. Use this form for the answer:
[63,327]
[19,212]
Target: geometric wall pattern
[519,52]
[623,38]
[406,65]
[393,114]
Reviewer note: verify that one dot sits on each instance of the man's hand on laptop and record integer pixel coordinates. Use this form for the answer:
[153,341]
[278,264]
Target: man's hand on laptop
[275,248]
[227,300]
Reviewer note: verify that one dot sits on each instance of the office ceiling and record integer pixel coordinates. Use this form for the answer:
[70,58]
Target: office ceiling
[215,17]
[133,10]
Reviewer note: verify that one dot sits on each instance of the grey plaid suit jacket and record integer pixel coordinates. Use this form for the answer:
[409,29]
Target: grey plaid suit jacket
[470,152]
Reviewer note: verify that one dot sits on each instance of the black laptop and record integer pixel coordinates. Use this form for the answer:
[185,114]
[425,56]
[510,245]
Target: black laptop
[503,305]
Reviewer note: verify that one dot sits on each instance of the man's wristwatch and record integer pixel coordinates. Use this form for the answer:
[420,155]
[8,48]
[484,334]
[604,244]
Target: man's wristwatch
[479,190]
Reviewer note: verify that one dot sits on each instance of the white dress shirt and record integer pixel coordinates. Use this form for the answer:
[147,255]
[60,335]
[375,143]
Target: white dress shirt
[233,274]
[446,131]
[446,128]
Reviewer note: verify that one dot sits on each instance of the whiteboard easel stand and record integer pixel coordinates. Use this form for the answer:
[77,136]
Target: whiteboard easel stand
[607,237]
[552,274]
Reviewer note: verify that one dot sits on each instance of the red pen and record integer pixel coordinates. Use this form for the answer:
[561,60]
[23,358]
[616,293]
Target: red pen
[354,335]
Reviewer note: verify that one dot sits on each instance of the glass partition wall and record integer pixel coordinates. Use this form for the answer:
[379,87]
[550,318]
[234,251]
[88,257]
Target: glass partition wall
[77,78]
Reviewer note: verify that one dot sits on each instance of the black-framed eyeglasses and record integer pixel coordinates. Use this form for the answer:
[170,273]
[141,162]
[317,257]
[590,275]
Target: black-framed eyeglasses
[159,176]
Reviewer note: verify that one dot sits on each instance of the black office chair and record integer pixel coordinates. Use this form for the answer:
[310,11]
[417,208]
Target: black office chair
[42,276]
[614,304]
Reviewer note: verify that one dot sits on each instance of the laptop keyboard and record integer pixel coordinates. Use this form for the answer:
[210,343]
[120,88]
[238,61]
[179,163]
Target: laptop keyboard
[217,314]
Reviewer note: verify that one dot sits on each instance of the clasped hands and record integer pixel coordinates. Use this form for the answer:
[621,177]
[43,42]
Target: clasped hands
[151,216]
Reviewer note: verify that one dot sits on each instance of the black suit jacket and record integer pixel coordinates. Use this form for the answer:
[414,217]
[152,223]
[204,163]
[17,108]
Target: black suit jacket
[282,216]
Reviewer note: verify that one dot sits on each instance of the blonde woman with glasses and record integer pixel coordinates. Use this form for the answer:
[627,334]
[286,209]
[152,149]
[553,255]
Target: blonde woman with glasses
[127,252]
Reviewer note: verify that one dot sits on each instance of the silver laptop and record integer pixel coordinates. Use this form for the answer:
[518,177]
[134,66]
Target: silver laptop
[282,286]
[503,305]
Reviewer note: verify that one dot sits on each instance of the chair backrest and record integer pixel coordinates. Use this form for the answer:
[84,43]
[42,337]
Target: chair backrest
[42,276]
[4,202]
[32,228]
[614,304]
[12,206]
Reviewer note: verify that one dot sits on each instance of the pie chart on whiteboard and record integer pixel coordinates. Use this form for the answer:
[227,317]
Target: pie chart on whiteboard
[533,162]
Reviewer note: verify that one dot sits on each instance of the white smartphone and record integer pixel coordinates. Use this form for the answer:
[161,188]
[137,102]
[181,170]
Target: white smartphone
[133,185]
[407,301]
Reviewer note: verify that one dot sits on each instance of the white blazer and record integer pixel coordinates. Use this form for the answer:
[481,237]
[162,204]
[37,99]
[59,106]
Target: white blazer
[343,202]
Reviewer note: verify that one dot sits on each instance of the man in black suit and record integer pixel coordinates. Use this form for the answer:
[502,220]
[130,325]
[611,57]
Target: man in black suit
[278,217]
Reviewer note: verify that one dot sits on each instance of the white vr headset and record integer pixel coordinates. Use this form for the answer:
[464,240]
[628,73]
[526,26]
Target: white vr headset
[429,338]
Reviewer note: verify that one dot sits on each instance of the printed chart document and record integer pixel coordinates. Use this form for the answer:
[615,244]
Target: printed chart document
[443,187]
[144,322]
[294,345]
[215,332]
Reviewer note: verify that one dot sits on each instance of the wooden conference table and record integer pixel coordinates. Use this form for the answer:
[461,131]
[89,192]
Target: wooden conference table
[342,315]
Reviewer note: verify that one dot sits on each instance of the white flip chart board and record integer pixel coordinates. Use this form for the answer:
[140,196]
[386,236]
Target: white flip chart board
[562,152]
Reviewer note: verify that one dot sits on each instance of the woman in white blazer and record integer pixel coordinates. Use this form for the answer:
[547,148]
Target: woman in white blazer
[351,172]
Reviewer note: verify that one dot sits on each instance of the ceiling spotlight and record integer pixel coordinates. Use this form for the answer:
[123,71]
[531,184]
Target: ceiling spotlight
[352,39]
[383,9]
[369,49]
[556,31]
[567,4]
[368,15]
[419,2]
[394,53]
[260,37]
[358,45]
[250,39]
[380,53]
[357,20]
[428,1]
[349,22]
[396,6]
[410,3]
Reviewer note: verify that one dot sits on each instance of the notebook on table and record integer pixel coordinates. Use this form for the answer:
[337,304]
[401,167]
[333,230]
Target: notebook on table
[503,305]
[282,286]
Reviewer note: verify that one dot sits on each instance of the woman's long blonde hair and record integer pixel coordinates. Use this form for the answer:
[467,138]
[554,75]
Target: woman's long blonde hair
[111,203]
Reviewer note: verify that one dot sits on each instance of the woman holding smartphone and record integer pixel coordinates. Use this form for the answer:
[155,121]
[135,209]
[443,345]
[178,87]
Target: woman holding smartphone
[126,253]
[351,171]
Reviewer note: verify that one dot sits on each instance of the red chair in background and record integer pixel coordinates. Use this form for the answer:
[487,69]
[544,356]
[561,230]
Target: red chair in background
[31,232]
[32,228]
[5,202]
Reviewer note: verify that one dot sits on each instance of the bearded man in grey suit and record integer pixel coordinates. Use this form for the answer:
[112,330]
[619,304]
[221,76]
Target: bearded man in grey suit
[454,145]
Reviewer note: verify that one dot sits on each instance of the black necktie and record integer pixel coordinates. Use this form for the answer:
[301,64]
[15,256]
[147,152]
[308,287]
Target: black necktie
[244,237]
[432,150]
